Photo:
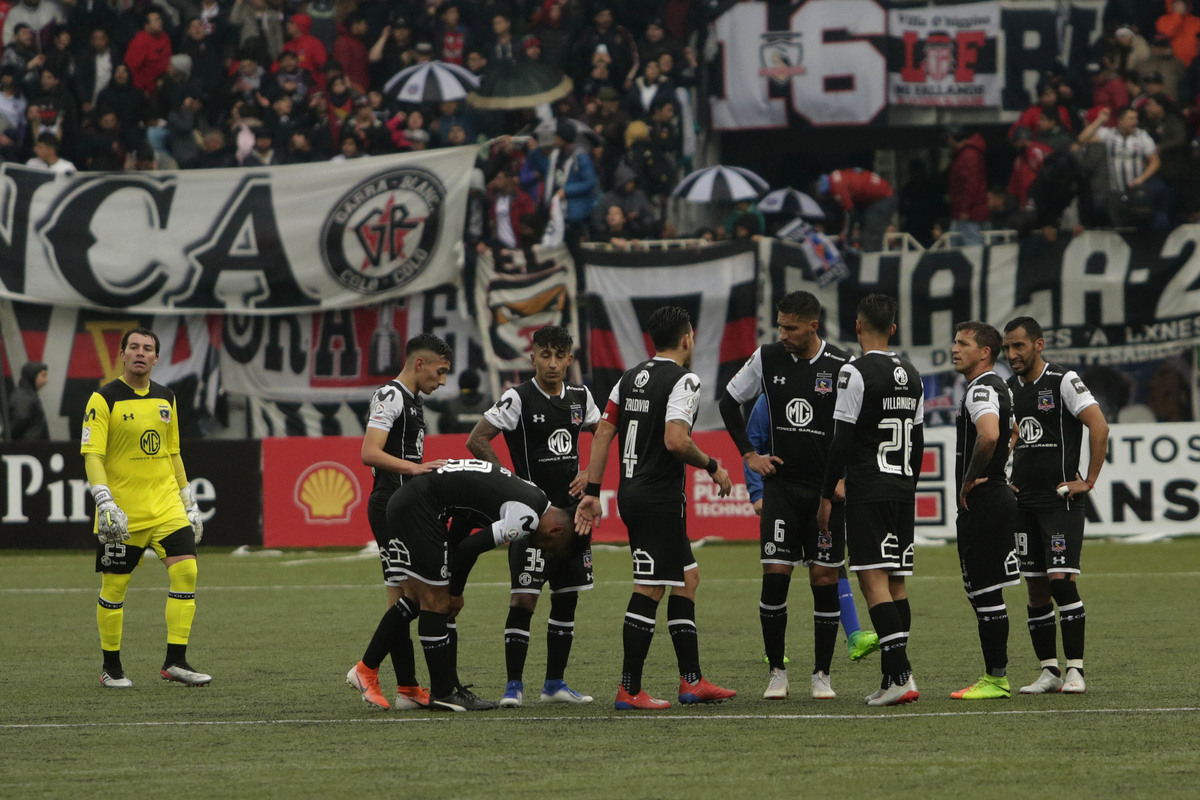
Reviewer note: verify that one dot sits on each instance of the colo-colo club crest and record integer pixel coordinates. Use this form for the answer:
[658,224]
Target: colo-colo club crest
[383,232]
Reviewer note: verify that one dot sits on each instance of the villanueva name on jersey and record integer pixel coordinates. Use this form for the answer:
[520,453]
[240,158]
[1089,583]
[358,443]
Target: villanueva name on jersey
[899,403]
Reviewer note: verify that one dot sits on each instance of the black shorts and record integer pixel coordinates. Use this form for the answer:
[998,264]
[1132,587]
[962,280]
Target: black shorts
[787,532]
[390,548]
[1049,540]
[987,539]
[880,536]
[120,559]
[419,535]
[531,570]
[659,545]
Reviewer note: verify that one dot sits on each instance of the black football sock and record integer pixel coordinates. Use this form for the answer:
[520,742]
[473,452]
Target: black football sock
[560,633]
[516,641]
[452,632]
[176,654]
[404,661]
[827,616]
[393,625]
[681,622]
[893,643]
[635,639]
[435,641]
[992,617]
[905,612]
[1070,616]
[1044,633]
[773,616]
[112,662]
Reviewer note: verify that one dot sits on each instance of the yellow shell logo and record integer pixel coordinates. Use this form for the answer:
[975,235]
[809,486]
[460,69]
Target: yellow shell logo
[327,492]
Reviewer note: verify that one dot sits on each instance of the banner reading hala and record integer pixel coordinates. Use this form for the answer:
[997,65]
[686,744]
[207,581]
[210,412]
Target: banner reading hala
[296,238]
[944,56]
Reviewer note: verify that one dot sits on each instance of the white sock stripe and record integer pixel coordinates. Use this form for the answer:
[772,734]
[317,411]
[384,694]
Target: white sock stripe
[827,614]
[424,639]
[1001,607]
[687,623]
[885,639]
[639,618]
[1042,618]
[516,632]
[765,607]
[561,624]
[1071,607]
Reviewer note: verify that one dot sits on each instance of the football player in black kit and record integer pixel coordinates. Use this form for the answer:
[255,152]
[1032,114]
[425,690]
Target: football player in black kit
[878,443]
[1050,407]
[541,421]
[652,409]
[798,375]
[478,494]
[393,446]
[987,507]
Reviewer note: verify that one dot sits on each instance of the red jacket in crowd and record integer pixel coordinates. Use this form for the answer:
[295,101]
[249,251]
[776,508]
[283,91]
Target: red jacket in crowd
[1183,30]
[1113,94]
[147,57]
[351,53]
[968,181]
[1026,166]
[308,49]
[520,205]
[1029,119]
[852,187]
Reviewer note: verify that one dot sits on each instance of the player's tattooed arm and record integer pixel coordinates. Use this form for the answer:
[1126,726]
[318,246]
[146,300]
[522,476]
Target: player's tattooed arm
[480,442]
[987,429]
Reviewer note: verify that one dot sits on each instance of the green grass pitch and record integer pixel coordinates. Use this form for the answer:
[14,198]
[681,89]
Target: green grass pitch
[278,633]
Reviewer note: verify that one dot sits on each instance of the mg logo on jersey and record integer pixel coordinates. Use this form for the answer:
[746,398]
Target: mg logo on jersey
[799,412]
[1030,430]
[150,443]
[559,442]
[641,379]
[900,376]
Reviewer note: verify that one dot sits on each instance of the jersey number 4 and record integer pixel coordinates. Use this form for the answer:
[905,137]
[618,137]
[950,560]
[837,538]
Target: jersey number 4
[899,438]
[629,453]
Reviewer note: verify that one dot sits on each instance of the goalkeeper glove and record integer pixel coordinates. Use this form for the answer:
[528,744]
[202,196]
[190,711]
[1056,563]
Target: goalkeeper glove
[112,525]
[193,511]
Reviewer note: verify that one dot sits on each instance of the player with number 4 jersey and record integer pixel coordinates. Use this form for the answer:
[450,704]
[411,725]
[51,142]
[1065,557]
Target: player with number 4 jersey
[541,420]
[878,442]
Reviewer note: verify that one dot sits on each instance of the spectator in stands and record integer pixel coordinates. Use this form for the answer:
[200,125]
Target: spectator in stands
[214,19]
[131,106]
[341,98]
[374,136]
[1133,164]
[452,113]
[1152,84]
[967,185]
[647,89]
[654,176]
[554,25]
[1049,131]
[531,48]
[1127,49]
[501,45]
[747,213]
[215,152]
[614,228]
[53,109]
[507,203]
[1181,27]
[39,15]
[1096,197]
[254,20]
[101,147]
[1108,89]
[85,16]
[477,61]
[351,147]
[655,42]
[281,119]
[149,54]
[310,52]
[26,417]
[207,57]
[23,55]
[418,139]
[423,53]
[1135,88]
[350,48]
[638,214]
[1047,104]
[13,106]
[450,35]
[567,172]
[607,37]
[606,117]
[863,194]
[292,79]
[665,135]
[392,51]
[1031,158]
[462,412]
[45,155]
[300,150]
[183,123]
[247,83]
[1162,120]
[1163,65]
[59,55]
[683,74]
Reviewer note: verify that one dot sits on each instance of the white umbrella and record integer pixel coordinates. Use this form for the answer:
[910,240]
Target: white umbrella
[791,201]
[715,184]
[431,82]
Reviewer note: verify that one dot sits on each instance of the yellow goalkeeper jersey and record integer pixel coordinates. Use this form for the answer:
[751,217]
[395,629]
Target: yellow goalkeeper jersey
[137,432]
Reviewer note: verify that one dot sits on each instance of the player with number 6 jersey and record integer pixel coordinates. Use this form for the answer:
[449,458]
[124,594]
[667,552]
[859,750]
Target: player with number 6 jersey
[878,442]
[541,420]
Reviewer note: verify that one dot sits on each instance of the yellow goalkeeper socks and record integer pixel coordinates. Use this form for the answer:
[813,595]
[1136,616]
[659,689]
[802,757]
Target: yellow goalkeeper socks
[181,600]
[110,610]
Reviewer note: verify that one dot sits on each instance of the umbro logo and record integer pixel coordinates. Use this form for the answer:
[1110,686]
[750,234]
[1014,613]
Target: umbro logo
[779,379]
[539,417]
[127,416]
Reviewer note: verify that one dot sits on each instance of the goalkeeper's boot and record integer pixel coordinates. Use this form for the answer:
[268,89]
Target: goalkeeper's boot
[642,700]
[461,699]
[114,678]
[1047,683]
[367,682]
[514,695]
[989,687]
[182,672]
[861,644]
[410,698]
[557,691]
[703,692]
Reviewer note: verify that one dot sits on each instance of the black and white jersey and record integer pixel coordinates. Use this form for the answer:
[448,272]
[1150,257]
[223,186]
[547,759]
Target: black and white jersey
[1049,432]
[486,496]
[542,433]
[882,395]
[399,412]
[987,394]
[646,398]
[801,394]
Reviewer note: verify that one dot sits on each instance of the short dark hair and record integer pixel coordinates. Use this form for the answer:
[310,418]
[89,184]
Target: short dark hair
[985,335]
[556,337]
[804,305]
[429,342]
[878,312]
[142,332]
[668,325]
[46,137]
[1030,325]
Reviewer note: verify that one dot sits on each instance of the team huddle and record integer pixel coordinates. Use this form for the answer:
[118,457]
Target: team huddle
[832,455]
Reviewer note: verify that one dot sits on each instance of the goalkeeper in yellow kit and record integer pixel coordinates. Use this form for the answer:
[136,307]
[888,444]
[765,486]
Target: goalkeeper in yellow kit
[130,446]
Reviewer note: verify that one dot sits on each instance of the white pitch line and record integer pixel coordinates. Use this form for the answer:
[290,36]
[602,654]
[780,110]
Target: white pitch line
[503,718]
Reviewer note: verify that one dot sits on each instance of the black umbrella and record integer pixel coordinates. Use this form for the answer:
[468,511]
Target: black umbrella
[510,85]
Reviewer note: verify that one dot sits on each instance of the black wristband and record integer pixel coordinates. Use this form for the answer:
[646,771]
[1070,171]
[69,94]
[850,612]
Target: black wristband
[592,490]
[712,465]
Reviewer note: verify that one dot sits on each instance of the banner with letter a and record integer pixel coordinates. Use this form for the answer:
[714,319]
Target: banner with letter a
[716,284]
[248,241]
[944,56]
